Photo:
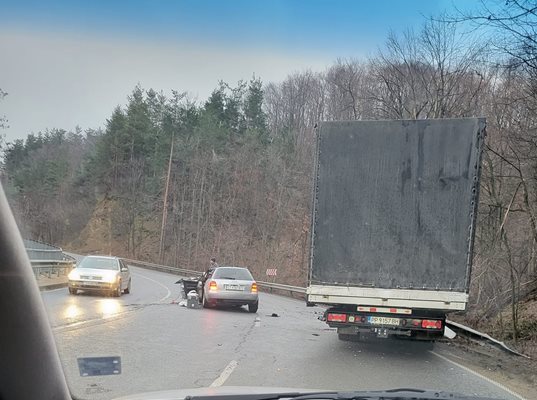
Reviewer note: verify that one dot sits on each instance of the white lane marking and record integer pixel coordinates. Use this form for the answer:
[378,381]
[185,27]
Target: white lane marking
[91,322]
[168,294]
[75,324]
[499,385]
[225,374]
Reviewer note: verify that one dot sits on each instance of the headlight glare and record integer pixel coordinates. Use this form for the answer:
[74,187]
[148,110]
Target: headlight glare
[110,278]
[74,275]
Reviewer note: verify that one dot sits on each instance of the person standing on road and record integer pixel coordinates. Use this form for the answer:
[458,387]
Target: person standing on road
[212,266]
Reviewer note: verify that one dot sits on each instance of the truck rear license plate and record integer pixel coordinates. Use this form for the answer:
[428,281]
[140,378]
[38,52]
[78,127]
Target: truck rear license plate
[383,321]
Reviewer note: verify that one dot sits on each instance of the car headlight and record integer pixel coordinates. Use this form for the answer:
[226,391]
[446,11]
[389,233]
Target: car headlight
[110,278]
[73,275]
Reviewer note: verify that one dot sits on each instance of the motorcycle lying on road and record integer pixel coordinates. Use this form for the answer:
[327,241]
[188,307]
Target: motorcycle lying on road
[192,290]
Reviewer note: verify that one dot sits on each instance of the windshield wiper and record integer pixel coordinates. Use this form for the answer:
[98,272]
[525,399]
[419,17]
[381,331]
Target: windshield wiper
[226,278]
[392,394]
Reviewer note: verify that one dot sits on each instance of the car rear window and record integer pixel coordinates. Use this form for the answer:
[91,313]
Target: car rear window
[99,263]
[233,273]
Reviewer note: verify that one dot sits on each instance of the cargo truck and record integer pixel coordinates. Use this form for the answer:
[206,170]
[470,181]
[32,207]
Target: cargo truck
[393,224]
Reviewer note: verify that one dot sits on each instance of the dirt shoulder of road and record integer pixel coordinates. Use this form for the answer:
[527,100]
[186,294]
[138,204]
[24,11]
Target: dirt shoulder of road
[517,373]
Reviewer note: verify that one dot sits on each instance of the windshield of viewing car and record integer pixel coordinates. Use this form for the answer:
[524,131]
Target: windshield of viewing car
[99,263]
[232,273]
[372,164]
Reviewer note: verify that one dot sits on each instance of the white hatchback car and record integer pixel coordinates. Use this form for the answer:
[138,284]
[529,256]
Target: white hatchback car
[231,286]
[101,273]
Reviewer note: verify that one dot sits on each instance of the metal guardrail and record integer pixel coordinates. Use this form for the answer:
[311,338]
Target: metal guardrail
[162,268]
[189,272]
[48,268]
[37,250]
[466,330]
[47,260]
[283,288]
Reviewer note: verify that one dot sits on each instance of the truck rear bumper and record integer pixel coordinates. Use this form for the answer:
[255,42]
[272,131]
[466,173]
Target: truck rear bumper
[354,330]
[409,298]
[384,332]
[418,325]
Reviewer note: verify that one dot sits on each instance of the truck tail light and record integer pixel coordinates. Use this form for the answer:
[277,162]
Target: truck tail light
[431,324]
[213,287]
[254,288]
[333,317]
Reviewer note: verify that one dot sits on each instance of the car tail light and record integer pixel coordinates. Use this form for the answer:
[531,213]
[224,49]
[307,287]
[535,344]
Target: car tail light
[337,317]
[254,288]
[213,287]
[431,324]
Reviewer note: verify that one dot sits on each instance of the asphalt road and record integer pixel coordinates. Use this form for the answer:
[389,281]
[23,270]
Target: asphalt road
[165,346]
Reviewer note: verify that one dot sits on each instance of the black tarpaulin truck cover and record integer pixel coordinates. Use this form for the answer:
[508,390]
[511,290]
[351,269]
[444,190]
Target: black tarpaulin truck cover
[395,203]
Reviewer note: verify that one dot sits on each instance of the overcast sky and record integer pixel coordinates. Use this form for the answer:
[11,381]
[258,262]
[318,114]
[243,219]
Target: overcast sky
[68,63]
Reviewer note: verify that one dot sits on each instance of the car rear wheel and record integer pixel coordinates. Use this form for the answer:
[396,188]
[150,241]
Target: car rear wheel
[205,302]
[128,289]
[252,307]
[72,291]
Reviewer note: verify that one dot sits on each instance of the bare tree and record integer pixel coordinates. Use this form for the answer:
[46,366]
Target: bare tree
[509,26]
[436,73]
[294,107]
